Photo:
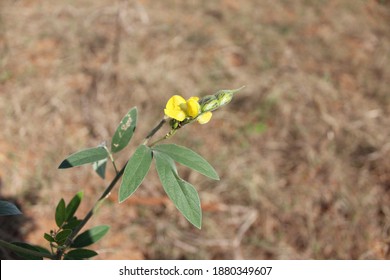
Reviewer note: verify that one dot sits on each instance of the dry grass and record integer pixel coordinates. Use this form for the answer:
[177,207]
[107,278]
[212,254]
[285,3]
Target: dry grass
[303,152]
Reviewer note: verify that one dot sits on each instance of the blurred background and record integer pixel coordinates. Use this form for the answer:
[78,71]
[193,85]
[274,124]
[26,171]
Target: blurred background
[303,151]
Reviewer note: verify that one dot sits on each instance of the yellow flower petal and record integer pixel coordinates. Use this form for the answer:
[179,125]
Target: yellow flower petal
[193,107]
[205,117]
[173,108]
[174,102]
[175,114]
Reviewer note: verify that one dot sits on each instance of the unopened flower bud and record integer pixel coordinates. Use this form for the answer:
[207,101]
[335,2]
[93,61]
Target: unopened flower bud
[224,97]
[208,103]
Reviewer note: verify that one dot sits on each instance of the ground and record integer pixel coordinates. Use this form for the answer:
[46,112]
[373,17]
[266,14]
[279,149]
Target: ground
[302,151]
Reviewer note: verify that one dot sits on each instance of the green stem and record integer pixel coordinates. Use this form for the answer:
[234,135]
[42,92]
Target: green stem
[92,211]
[22,250]
[111,158]
[167,136]
[113,164]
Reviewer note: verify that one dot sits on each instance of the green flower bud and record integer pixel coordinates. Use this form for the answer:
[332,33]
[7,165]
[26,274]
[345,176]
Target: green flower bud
[208,103]
[224,97]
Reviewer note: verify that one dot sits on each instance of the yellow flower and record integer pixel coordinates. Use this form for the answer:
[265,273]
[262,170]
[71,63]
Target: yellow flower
[179,109]
[192,107]
[173,108]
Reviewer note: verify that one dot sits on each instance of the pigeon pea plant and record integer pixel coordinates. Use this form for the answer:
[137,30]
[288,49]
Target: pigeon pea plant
[66,241]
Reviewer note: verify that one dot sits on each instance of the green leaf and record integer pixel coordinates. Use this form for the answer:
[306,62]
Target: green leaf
[72,223]
[125,131]
[30,247]
[8,208]
[48,237]
[60,213]
[100,167]
[90,236]
[182,193]
[83,157]
[135,172]
[62,236]
[80,254]
[73,206]
[42,249]
[188,158]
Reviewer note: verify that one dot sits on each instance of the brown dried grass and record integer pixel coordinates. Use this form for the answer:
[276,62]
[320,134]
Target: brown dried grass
[302,152]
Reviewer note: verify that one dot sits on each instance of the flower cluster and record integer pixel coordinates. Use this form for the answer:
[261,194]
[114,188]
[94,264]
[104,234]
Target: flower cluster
[180,109]
[183,111]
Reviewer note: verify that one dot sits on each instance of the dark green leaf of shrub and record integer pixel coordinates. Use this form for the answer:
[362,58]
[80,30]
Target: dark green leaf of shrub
[72,223]
[48,237]
[125,131]
[62,236]
[135,172]
[73,206]
[85,156]
[8,208]
[42,249]
[60,213]
[90,236]
[80,254]
[30,247]
[182,193]
[188,158]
